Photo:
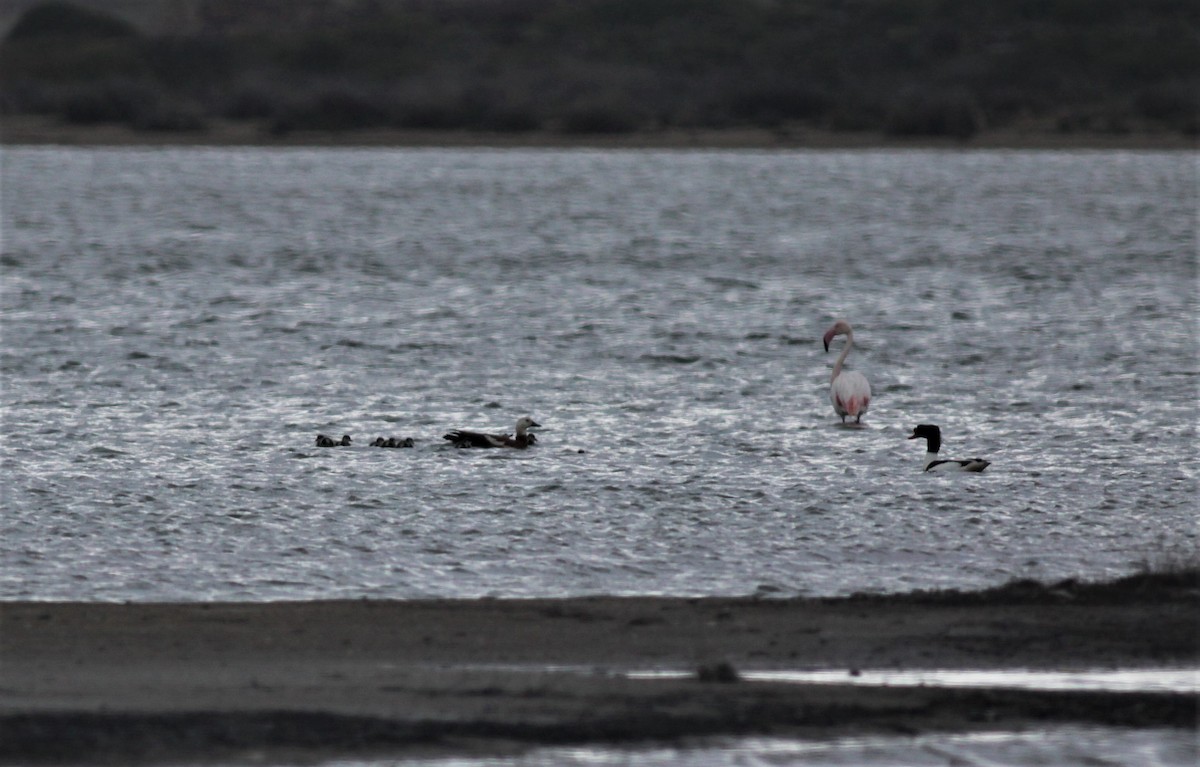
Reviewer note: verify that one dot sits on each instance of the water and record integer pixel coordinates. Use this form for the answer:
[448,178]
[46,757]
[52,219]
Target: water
[178,324]
[1176,680]
[1054,747]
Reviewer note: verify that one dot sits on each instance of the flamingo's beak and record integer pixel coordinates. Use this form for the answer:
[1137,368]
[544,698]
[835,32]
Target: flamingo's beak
[828,337]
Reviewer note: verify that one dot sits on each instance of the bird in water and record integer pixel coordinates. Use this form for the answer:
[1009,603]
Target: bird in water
[393,442]
[522,440]
[933,439]
[323,441]
[848,389]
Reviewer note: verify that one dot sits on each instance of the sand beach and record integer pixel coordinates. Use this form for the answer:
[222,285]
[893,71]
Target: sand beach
[311,680]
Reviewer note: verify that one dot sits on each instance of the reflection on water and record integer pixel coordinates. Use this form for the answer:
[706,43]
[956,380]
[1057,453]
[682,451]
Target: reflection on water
[1173,680]
[1052,747]
[1132,680]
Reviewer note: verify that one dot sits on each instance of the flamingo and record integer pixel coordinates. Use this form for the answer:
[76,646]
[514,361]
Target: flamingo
[848,391]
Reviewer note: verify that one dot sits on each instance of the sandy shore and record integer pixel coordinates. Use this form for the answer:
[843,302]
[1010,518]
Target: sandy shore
[156,682]
[17,130]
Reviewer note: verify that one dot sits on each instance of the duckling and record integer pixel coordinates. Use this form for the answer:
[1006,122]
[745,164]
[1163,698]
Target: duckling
[323,441]
[393,442]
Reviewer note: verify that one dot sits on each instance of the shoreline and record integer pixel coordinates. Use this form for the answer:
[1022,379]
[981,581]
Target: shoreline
[26,130]
[157,682]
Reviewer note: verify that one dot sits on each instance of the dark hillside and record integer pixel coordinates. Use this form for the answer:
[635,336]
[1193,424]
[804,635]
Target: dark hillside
[903,67]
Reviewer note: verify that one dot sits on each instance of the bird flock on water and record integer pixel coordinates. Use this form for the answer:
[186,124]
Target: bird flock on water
[849,392]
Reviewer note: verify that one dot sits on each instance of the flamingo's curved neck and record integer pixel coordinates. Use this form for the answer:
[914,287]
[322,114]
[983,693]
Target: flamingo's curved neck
[837,366]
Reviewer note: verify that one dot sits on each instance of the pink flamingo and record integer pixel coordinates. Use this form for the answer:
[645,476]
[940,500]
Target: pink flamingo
[848,391]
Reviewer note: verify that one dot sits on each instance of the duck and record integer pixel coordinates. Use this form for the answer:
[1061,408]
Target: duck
[522,440]
[849,390]
[323,441]
[933,439]
[393,442]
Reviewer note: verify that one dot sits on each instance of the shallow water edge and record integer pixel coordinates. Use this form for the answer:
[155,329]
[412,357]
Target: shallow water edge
[35,130]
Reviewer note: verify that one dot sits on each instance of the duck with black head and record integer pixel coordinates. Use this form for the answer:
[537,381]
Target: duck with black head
[933,442]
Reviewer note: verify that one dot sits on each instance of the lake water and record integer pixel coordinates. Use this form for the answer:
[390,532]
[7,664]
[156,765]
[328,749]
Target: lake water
[177,325]
[1053,747]
[1063,746]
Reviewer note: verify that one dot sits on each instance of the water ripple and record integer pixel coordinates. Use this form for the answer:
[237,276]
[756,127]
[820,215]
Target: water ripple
[165,378]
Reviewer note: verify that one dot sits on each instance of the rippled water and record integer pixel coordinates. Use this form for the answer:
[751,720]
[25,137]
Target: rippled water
[179,324]
[1052,747]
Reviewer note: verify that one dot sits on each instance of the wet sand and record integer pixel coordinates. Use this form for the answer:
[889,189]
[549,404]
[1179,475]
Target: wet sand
[308,680]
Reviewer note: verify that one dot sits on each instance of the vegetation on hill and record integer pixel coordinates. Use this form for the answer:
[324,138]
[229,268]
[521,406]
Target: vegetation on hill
[903,67]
